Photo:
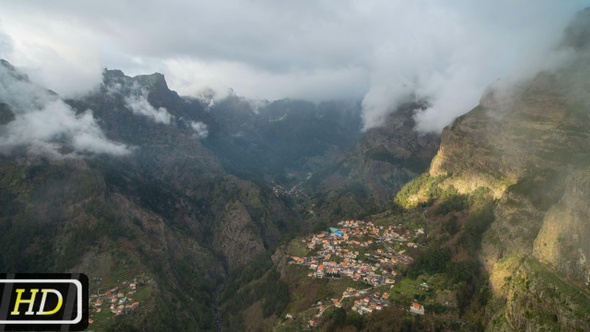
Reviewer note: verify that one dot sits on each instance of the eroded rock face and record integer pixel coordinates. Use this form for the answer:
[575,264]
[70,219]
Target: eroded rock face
[236,238]
[563,239]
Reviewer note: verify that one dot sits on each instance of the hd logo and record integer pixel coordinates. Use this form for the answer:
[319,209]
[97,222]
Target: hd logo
[51,302]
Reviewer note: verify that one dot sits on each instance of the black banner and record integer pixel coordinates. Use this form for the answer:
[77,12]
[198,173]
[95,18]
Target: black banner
[48,301]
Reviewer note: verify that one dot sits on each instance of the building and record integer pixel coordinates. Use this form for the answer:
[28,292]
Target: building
[417,308]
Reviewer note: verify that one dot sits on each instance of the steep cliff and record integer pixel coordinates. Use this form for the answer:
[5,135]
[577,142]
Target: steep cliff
[530,146]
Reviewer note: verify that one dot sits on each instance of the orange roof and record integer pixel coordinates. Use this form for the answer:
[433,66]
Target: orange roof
[321,267]
[416,305]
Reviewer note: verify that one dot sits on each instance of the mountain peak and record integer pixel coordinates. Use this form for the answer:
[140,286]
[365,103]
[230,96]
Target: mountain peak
[112,73]
[155,81]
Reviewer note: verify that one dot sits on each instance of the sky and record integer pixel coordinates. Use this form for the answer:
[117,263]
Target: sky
[377,51]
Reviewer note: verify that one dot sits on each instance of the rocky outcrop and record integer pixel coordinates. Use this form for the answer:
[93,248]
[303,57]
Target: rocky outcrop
[236,238]
[563,239]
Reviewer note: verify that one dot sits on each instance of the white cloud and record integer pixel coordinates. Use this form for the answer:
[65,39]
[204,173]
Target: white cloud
[58,54]
[141,106]
[382,50]
[201,129]
[455,50]
[193,77]
[43,123]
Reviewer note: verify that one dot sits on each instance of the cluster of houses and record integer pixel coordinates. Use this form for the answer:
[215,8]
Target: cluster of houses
[337,252]
[364,252]
[118,300]
[368,303]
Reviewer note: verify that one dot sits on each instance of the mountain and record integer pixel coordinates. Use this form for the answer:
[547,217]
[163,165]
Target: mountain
[122,189]
[493,231]
[365,178]
[281,141]
[206,206]
[132,183]
[530,147]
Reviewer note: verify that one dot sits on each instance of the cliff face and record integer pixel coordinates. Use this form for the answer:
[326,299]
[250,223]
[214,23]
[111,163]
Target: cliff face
[530,145]
[562,241]
[523,148]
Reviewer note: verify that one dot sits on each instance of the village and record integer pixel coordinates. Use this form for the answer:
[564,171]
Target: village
[115,301]
[365,253]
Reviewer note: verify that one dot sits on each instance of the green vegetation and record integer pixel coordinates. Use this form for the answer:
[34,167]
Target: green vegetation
[476,211]
[258,281]
[431,262]
[36,201]
[452,201]
[425,186]
[340,318]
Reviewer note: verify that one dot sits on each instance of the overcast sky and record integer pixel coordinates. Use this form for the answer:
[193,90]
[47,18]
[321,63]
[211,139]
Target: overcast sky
[380,51]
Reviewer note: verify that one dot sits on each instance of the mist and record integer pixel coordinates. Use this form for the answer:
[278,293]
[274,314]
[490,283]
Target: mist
[383,52]
[43,124]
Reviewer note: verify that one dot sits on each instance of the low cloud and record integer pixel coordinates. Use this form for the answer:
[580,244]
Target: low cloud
[381,51]
[141,106]
[457,50]
[219,79]
[201,129]
[44,124]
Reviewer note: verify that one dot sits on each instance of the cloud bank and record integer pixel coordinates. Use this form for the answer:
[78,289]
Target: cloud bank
[382,51]
[42,123]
